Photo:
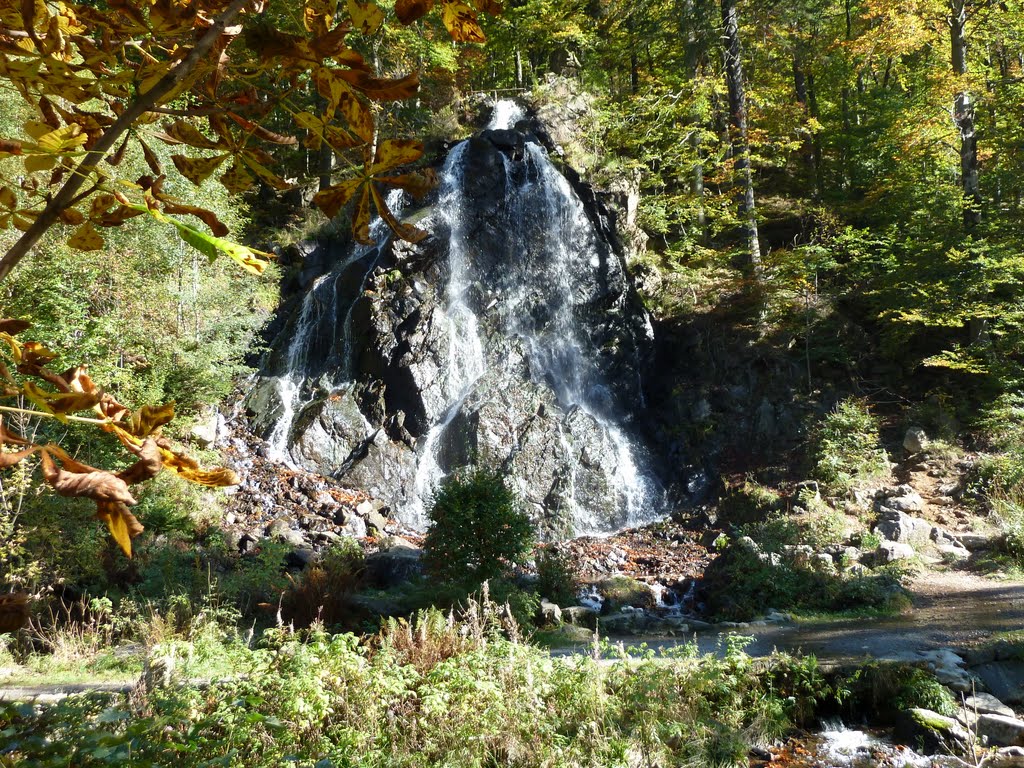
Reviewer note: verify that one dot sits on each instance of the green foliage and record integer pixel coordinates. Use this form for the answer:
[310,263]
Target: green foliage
[557,576]
[888,688]
[846,449]
[434,691]
[477,530]
[742,583]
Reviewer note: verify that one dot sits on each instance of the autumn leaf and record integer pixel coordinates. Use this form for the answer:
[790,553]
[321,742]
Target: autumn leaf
[148,419]
[86,238]
[14,612]
[198,169]
[148,466]
[8,460]
[409,11]
[98,485]
[121,523]
[188,468]
[8,436]
[366,16]
[379,89]
[236,179]
[333,199]
[14,327]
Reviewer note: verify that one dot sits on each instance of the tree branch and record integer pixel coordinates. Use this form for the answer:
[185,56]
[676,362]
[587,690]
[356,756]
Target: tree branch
[142,104]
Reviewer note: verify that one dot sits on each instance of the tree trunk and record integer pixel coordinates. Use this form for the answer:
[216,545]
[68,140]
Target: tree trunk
[738,134]
[963,116]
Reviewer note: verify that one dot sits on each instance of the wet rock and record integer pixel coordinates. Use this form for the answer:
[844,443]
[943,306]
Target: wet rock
[987,704]
[395,565]
[383,316]
[281,529]
[1004,679]
[580,616]
[550,613]
[929,732]
[623,591]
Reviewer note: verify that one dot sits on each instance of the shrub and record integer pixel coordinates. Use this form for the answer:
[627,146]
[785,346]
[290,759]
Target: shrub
[557,577]
[323,591]
[846,449]
[478,531]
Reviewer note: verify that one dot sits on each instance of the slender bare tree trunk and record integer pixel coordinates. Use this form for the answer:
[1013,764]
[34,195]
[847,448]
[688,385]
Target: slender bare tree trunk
[963,116]
[738,133]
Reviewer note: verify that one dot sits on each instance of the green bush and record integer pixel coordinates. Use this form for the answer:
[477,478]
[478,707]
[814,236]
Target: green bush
[477,532]
[846,449]
[557,577]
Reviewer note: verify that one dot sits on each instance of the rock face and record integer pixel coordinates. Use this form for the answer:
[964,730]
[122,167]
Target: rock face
[510,336]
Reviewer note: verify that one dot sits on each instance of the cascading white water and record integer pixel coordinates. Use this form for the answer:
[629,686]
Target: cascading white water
[294,389]
[536,304]
[493,342]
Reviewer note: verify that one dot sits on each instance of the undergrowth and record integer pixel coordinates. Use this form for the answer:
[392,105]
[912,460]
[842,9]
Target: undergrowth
[437,690]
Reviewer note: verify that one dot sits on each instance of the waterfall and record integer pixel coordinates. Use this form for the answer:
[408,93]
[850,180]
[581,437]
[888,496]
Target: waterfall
[535,303]
[510,337]
[315,330]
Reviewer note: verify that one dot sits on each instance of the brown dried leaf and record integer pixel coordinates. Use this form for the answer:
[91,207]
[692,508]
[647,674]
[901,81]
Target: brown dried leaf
[8,460]
[14,327]
[8,436]
[99,485]
[14,613]
[409,11]
[148,466]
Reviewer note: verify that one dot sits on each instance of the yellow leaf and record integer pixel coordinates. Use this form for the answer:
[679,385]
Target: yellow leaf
[392,153]
[34,163]
[361,218]
[198,169]
[64,138]
[357,115]
[416,184]
[263,172]
[148,419]
[403,230]
[318,15]
[182,132]
[121,523]
[333,199]
[8,199]
[461,22]
[366,16]
[236,179]
[189,469]
[86,238]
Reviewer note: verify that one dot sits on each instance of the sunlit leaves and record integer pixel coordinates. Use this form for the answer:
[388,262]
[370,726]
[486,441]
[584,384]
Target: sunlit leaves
[391,153]
[77,72]
[62,395]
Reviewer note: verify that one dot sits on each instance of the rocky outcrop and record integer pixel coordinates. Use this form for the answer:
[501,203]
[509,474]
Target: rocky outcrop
[511,335]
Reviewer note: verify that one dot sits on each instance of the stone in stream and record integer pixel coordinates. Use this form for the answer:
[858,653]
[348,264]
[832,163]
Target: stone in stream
[1004,679]
[1000,730]
[929,732]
